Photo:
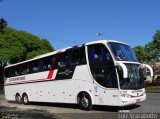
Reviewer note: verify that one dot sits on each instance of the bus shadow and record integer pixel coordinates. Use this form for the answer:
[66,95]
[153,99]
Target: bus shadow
[95,108]
[115,108]
[63,105]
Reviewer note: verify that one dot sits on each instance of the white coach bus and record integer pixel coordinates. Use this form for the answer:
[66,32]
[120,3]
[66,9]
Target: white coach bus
[104,72]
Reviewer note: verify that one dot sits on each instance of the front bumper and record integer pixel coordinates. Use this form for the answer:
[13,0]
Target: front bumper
[132,100]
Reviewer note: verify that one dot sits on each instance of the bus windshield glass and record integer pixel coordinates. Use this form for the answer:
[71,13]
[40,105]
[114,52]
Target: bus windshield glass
[122,52]
[135,79]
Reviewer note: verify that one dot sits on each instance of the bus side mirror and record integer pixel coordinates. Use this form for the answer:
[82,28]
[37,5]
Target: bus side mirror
[122,68]
[143,73]
[145,67]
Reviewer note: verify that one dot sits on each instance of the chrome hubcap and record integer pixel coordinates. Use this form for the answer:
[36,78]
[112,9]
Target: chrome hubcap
[25,99]
[85,102]
[18,99]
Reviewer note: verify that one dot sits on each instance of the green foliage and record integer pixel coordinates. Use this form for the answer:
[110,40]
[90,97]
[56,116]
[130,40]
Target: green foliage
[16,46]
[141,53]
[151,51]
[3,24]
[156,40]
[153,89]
[156,44]
[153,48]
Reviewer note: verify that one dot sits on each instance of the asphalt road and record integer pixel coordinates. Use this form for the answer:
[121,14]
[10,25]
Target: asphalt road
[67,111]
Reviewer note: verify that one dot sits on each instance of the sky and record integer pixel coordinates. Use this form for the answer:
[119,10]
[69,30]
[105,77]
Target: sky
[72,22]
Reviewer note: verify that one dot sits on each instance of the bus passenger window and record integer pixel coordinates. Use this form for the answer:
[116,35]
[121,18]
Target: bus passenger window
[78,57]
[28,69]
[35,67]
[54,62]
[102,66]
[75,58]
[8,72]
[82,56]
[16,71]
[61,64]
[46,64]
[24,71]
[62,60]
[97,54]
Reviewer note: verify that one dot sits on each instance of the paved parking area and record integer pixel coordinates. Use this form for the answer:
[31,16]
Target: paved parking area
[67,111]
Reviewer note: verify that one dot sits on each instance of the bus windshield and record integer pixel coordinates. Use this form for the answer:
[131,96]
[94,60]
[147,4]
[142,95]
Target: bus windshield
[135,79]
[122,52]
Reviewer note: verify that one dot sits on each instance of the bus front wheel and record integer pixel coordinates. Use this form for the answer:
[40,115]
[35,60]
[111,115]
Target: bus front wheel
[85,102]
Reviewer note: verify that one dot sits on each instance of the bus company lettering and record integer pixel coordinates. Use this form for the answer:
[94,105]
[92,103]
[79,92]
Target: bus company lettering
[17,79]
[67,72]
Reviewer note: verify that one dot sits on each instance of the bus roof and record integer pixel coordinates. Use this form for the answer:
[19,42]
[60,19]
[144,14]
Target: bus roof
[63,50]
[104,41]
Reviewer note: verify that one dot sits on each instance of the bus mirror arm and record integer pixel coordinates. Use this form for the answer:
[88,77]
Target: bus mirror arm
[122,67]
[146,66]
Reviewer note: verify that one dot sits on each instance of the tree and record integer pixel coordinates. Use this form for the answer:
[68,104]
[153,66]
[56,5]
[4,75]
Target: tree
[16,46]
[141,53]
[3,24]
[156,44]
[153,48]
[151,51]
[156,40]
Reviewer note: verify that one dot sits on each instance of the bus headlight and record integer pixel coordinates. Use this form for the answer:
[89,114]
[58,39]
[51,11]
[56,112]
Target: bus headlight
[125,96]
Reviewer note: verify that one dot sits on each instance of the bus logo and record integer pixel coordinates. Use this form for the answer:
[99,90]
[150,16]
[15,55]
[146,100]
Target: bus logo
[67,72]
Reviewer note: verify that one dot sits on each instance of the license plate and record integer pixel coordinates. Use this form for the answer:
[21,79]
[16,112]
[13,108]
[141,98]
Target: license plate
[138,101]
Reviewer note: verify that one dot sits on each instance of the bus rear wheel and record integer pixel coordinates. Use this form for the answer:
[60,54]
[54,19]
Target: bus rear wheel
[85,102]
[25,99]
[18,98]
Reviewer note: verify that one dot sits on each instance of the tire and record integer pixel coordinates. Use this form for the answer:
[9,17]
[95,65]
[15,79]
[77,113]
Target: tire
[85,102]
[18,98]
[25,99]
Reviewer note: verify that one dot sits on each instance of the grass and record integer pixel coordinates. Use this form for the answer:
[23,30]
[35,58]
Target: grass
[153,89]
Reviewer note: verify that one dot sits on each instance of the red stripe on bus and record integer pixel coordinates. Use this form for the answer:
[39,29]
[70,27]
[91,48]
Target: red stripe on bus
[58,52]
[50,74]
